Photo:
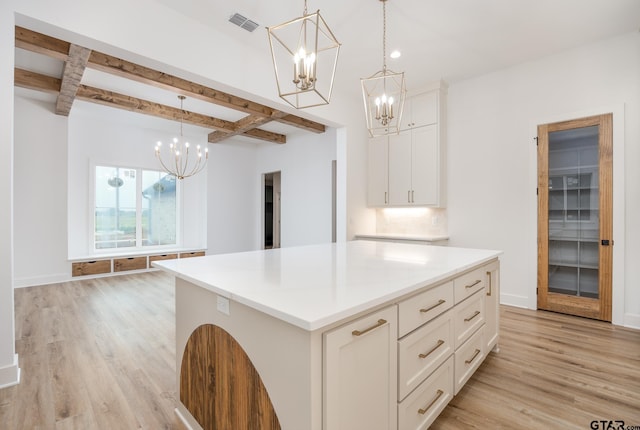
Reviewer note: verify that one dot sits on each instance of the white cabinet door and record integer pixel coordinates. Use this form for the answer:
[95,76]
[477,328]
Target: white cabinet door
[425,166]
[378,172]
[400,169]
[360,373]
[492,305]
[420,110]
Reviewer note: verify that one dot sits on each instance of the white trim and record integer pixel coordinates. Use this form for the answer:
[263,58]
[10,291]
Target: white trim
[514,300]
[632,321]
[10,375]
[618,316]
[40,280]
[186,418]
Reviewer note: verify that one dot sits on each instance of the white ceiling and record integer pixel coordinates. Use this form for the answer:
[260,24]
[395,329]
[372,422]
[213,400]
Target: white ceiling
[439,39]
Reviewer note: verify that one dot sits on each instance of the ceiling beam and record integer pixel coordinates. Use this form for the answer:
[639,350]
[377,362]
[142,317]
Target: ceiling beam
[36,81]
[37,42]
[71,77]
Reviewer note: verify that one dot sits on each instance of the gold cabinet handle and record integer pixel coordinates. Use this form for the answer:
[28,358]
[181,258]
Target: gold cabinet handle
[441,301]
[380,322]
[438,395]
[475,314]
[385,198]
[426,354]
[489,275]
[412,197]
[475,354]
[474,284]
[408,196]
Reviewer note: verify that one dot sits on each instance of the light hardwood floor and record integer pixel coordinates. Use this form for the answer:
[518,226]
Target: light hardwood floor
[100,354]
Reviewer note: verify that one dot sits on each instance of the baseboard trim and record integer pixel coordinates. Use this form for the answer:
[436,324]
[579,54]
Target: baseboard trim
[632,321]
[513,300]
[40,280]
[10,375]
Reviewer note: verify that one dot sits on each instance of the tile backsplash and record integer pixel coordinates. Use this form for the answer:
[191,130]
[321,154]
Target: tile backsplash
[412,221]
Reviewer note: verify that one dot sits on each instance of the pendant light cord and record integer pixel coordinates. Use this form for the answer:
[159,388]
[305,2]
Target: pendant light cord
[384,35]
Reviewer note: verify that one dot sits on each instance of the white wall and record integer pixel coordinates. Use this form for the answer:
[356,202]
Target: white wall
[9,371]
[305,166]
[40,188]
[231,197]
[492,159]
[96,139]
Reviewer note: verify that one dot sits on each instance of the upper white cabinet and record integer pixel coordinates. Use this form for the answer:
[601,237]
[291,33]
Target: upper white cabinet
[408,169]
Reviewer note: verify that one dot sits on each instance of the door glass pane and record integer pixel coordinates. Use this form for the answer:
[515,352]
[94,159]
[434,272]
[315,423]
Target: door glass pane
[115,209]
[574,212]
[158,208]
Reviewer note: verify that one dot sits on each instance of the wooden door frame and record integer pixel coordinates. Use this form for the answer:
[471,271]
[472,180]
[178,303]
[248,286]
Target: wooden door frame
[570,304]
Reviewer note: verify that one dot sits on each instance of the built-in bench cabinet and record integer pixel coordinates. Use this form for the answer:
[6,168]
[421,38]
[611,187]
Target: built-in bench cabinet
[427,346]
[104,266]
[408,168]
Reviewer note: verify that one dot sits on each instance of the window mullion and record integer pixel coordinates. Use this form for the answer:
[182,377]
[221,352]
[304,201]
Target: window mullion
[138,208]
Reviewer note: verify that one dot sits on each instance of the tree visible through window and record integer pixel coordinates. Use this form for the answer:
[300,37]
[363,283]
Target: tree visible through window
[134,208]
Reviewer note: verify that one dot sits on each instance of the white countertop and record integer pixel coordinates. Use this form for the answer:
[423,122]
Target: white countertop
[405,237]
[315,286]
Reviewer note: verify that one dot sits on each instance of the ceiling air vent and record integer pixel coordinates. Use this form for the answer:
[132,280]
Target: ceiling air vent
[243,22]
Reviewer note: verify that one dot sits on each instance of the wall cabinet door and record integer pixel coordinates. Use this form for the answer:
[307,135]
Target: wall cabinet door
[360,369]
[378,172]
[425,166]
[400,168]
[420,110]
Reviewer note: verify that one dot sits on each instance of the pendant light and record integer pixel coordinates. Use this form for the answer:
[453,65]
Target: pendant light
[383,93]
[305,54]
[182,161]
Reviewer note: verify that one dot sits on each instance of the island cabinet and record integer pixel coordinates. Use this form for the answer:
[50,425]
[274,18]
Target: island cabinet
[363,335]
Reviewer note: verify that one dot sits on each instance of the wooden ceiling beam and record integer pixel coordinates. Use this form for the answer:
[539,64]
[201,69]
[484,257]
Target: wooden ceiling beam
[71,77]
[37,42]
[56,48]
[35,81]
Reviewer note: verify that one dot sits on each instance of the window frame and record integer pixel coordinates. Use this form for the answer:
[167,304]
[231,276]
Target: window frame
[139,248]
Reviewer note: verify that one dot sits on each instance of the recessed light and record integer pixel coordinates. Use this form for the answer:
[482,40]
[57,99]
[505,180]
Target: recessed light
[395,54]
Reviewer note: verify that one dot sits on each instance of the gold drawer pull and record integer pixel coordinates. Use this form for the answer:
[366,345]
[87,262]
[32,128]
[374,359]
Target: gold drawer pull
[441,301]
[380,322]
[475,314]
[426,354]
[474,284]
[475,354]
[424,411]
[489,276]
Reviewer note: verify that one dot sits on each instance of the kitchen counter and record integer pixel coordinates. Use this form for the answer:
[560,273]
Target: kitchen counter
[283,333]
[405,238]
[315,286]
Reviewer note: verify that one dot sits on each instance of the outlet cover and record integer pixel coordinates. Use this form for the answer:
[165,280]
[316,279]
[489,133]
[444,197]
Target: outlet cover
[223,305]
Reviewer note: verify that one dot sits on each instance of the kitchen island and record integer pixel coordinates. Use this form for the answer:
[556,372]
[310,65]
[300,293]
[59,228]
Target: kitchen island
[362,334]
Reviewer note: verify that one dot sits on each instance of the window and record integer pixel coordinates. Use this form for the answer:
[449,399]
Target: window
[134,208]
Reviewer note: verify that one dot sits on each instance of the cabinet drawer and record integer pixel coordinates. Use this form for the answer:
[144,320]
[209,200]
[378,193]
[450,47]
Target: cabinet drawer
[422,407]
[423,307]
[468,317]
[130,263]
[468,358]
[467,284]
[153,258]
[192,254]
[90,267]
[421,352]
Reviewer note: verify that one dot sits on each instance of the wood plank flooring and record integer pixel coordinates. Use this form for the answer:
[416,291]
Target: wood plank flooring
[100,354]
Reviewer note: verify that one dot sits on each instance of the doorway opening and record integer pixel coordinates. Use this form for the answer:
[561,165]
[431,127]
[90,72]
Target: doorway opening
[271,198]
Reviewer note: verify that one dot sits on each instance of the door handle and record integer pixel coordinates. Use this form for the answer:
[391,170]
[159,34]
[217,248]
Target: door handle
[606,242]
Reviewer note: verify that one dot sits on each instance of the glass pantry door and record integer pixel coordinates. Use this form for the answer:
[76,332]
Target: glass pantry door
[574,217]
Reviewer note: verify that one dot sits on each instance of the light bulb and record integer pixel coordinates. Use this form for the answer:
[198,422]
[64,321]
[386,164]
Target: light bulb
[384,98]
[390,100]
[378,101]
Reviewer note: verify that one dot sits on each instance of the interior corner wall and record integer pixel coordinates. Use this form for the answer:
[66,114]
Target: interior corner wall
[40,187]
[231,197]
[305,166]
[492,164]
